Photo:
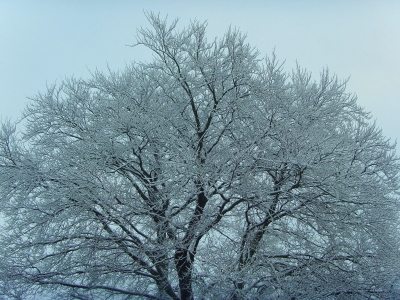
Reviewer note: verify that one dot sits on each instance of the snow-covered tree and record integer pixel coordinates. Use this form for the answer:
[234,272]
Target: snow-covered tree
[207,173]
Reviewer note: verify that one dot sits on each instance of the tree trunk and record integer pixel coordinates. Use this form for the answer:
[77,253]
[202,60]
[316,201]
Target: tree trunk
[183,263]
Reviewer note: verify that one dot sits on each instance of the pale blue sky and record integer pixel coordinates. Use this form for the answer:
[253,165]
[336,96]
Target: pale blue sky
[45,41]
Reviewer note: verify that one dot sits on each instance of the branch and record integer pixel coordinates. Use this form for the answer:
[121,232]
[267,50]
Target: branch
[102,287]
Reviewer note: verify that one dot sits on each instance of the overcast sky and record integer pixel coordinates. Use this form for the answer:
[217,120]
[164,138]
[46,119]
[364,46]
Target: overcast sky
[45,41]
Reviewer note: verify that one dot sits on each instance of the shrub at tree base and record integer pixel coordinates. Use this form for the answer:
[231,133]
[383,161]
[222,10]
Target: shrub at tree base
[207,173]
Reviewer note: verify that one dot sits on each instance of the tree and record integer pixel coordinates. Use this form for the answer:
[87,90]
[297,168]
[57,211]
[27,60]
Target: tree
[206,173]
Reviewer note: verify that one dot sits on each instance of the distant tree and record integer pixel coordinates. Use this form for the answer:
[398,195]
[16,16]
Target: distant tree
[206,173]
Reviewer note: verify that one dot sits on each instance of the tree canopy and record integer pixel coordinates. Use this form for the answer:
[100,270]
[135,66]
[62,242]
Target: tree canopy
[206,173]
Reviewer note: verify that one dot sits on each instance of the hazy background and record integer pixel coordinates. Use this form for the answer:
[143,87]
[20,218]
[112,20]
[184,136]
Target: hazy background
[42,42]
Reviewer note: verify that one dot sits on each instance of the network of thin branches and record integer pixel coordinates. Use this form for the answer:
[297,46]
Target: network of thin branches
[207,173]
